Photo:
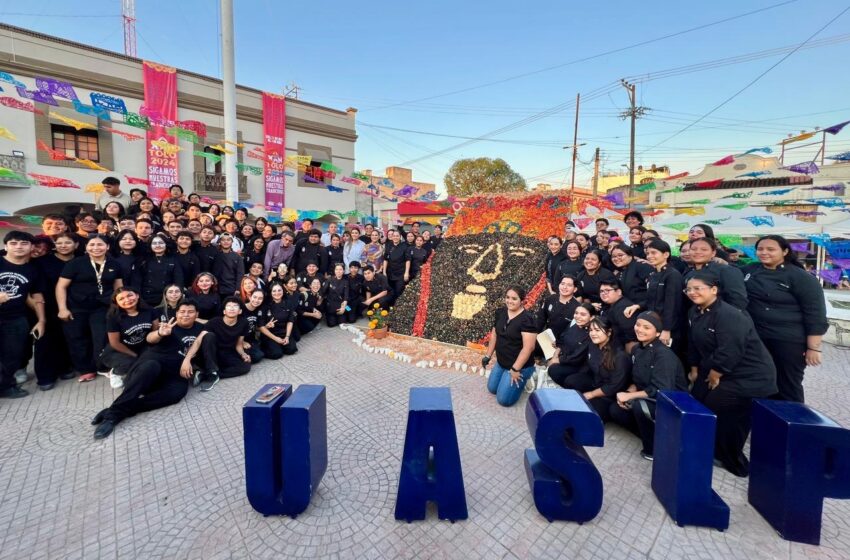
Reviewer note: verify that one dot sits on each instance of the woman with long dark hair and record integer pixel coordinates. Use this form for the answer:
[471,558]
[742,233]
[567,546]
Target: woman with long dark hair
[633,275]
[205,294]
[570,359]
[83,293]
[609,368]
[171,296]
[277,332]
[556,311]
[336,296]
[126,251]
[128,322]
[589,278]
[254,312]
[552,262]
[787,306]
[157,271]
[512,340]
[573,262]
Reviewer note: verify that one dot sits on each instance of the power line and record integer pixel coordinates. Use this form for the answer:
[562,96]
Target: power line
[22,14]
[753,81]
[592,57]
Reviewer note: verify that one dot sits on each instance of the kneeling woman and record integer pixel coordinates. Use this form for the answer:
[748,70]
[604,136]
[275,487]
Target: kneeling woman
[512,339]
[568,367]
[654,368]
[128,322]
[609,365]
[730,367]
[277,336]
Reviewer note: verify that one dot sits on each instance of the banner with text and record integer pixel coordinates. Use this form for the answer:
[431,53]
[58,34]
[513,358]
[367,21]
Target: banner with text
[161,108]
[274,139]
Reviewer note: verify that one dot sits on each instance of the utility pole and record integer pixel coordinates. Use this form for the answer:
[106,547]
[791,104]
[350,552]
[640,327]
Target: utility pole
[630,88]
[575,148]
[228,64]
[596,174]
[128,13]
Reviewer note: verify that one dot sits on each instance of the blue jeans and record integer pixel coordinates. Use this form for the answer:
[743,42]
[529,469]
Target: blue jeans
[499,383]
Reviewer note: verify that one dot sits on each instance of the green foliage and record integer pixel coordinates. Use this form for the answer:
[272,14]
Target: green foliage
[469,177]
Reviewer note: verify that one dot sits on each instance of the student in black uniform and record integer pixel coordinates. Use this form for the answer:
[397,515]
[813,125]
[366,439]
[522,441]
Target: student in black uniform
[705,231]
[205,293]
[589,278]
[189,262]
[127,254]
[310,307]
[51,358]
[160,376]
[395,261]
[157,271]
[83,295]
[416,257]
[20,288]
[729,279]
[636,242]
[633,275]
[334,254]
[664,293]
[654,368]
[376,288]
[128,323]
[570,358]
[512,340]
[356,292]
[336,296]
[572,264]
[306,277]
[553,260]
[277,332]
[204,248]
[309,250]
[228,267]
[729,367]
[223,346]
[254,312]
[620,312]
[787,306]
[167,308]
[609,369]
[557,310]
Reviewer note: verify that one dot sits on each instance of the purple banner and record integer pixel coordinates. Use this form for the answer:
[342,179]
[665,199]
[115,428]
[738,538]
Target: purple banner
[836,128]
[37,96]
[58,88]
[800,247]
[832,276]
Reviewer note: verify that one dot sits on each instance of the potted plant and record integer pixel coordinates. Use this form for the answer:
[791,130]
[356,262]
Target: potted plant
[378,321]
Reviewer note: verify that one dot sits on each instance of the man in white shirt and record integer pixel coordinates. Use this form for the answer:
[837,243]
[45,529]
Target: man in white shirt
[326,237]
[112,192]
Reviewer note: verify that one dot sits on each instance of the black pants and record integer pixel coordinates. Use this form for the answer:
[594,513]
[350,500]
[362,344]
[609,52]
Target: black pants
[602,406]
[117,361]
[85,336]
[636,421]
[307,324]
[51,353]
[790,361]
[224,360]
[397,286]
[581,382]
[275,351]
[357,308]
[255,351]
[733,425]
[331,317]
[152,383]
[559,373]
[14,338]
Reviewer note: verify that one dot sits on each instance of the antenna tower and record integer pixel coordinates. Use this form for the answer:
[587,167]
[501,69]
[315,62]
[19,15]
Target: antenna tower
[128,13]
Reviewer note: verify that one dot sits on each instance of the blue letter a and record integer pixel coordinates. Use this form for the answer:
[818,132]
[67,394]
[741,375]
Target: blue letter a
[430,467]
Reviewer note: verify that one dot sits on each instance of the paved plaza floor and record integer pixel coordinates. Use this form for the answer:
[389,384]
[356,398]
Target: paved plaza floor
[170,484]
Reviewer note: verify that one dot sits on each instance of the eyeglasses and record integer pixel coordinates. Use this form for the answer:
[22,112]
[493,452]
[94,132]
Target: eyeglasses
[606,291]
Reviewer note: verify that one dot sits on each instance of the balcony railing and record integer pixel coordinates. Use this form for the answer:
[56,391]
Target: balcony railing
[18,164]
[217,183]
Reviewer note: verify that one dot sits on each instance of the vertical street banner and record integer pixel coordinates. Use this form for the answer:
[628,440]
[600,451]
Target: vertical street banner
[160,108]
[274,139]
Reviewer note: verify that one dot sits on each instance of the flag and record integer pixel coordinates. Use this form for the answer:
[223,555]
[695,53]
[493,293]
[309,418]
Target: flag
[836,128]
[725,161]
[806,168]
[799,137]
[765,150]
[709,184]
[760,220]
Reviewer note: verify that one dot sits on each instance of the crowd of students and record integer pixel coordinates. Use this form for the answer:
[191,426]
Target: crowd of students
[161,297]
[630,320]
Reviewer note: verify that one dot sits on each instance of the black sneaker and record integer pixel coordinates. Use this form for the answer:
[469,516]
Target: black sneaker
[209,381]
[196,377]
[68,375]
[46,386]
[13,393]
[647,456]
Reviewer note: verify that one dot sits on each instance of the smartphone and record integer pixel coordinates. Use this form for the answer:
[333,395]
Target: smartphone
[269,395]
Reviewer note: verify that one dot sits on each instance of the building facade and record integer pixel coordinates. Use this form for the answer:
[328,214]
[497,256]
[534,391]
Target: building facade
[325,134]
[384,193]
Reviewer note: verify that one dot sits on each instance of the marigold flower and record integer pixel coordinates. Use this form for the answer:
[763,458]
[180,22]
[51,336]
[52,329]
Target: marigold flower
[384,313]
[370,313]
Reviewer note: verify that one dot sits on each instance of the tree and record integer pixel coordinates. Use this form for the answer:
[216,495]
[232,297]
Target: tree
[468,177]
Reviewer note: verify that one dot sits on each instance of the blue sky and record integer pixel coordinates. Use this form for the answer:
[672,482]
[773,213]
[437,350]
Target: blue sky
[386,58]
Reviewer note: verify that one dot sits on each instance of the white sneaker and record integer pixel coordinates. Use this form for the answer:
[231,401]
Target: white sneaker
[21,376]
[116,381]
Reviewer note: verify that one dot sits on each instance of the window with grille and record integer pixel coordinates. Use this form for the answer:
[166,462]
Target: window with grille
[74,143]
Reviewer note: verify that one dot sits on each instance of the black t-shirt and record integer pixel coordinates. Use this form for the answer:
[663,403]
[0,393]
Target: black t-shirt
[209,305]
[18,281]
[84,293]
[178,342]
[132,329]
[254,318]
[509,337]
[376,285]
[226,335]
